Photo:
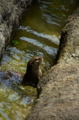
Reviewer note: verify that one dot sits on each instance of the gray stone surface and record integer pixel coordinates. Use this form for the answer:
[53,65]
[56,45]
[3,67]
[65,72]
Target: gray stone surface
[11,11]
[59,89]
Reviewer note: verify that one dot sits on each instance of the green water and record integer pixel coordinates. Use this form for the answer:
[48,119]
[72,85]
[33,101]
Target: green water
[16,105]
[38,35]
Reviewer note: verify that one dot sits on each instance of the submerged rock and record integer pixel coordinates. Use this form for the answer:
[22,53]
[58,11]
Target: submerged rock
[9,78]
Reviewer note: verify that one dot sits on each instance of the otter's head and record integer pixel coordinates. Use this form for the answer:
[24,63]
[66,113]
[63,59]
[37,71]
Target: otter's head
[35,62]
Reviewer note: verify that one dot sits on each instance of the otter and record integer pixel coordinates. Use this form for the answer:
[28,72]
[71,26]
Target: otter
[31,77]
[33,73]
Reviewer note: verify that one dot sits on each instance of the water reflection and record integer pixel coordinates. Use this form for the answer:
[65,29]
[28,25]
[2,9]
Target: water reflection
[52,38]
[16,104]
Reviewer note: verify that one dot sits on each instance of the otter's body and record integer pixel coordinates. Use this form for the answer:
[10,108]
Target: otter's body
[31,77]
[33,72]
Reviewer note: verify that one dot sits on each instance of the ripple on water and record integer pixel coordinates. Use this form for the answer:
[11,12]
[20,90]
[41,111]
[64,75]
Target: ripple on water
[16,104]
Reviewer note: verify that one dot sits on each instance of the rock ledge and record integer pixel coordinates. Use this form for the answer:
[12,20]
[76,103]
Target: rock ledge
[59,89]
[11,11]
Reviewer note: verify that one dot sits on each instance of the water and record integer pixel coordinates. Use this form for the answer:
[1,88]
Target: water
[38,35]
[16,105]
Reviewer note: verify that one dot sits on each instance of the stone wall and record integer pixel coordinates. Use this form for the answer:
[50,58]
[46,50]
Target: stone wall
[59,89]
[11,11]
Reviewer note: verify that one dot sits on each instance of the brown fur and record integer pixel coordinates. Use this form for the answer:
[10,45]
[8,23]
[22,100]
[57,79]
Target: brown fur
[33,72]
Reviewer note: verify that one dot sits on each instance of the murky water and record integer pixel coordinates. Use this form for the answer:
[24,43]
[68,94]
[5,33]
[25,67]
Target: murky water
[16,105]
[38,35]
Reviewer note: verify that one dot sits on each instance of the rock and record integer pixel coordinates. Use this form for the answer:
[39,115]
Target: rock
[10,79]
[11,11]
[59,89]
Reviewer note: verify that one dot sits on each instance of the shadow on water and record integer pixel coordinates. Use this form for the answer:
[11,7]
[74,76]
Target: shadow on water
[38,35]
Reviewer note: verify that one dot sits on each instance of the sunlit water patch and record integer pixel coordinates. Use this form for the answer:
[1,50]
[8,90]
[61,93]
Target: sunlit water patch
[16,105]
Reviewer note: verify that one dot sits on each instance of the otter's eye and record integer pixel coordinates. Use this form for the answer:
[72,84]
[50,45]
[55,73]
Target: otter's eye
[37,60]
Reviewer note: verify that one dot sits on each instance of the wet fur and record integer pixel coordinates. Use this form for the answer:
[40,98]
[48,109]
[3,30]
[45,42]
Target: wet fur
[32,76]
